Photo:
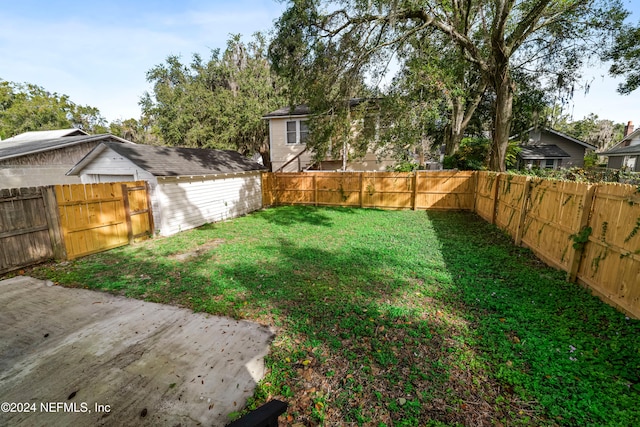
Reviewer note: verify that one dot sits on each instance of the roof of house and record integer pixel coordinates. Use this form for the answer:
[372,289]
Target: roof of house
[561,134]
[12,148]
[539,152]
[174,161]
[631,150]
[40,135]
[303,110]
[615,149]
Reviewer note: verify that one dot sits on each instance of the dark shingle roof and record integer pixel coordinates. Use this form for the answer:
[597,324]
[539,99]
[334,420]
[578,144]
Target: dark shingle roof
[176,161]
[537,152]
[632,150]
[17,148]
[304,110]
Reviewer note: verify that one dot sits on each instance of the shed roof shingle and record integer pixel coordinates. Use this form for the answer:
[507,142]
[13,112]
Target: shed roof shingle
[17,148]
[539,152]
[178,161]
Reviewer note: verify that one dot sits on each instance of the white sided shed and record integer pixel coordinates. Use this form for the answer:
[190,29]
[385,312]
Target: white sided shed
[189,186]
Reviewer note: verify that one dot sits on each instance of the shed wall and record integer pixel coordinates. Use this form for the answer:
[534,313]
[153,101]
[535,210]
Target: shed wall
[188,202]
[576,151]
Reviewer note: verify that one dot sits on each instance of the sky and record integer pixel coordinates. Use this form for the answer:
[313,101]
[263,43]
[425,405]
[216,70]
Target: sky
[98,52]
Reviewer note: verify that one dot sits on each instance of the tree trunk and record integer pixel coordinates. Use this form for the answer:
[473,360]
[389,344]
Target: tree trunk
[455,130]
[502,119]
[265,154]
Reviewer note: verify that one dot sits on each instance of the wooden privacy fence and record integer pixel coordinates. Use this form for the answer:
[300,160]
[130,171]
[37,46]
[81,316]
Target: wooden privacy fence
[68,221]
[29,232]
[384,190]
[591,231]
[98,217]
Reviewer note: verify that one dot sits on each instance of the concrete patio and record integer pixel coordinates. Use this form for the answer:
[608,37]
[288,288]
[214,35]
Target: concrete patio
[79,357]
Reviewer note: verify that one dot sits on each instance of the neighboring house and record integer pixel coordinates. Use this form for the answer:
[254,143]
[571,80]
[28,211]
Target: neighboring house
[189,186]
[288,133]
[626,153]
[34,159]
[547,148]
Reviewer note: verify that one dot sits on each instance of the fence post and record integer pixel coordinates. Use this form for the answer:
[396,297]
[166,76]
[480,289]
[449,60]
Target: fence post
[127,212]
[315,190]
[476,178]
[361,189]
[523,210]
[414,197]
[53,221]
[494,213]
[152,225]
[576,254]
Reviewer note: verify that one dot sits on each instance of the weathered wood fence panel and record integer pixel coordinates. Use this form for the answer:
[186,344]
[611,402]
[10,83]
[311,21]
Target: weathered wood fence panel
[384,190]
[29,230]
[98,217]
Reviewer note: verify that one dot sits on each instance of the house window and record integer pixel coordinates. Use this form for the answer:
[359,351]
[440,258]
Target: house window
[297,131]
[629,162]
[550,164]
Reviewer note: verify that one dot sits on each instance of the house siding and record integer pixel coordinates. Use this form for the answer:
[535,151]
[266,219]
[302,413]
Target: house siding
[576,151]
[44,168]
[615,162]
[189,202]
[281,152]
[111,163]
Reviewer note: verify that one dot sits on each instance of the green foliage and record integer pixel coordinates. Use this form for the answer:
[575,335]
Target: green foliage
[217,103]
[581,238]
[328,49]
[625,54]
[473,154]
[584,174]
[27,107]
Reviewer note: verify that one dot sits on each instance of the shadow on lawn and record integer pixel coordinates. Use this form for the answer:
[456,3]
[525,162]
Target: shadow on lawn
[546,338]
[289,215]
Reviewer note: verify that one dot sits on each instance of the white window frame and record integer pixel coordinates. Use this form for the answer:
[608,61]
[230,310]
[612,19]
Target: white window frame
[629,162]
[301,136]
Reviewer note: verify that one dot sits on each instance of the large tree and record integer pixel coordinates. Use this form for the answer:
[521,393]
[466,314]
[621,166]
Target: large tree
[28,107]
[336,41]
[216,103]
[625,54]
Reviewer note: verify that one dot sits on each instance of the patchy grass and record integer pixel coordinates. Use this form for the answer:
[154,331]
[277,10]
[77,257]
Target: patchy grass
[393,318]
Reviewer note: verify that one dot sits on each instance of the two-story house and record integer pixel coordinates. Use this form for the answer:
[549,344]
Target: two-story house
[288,134]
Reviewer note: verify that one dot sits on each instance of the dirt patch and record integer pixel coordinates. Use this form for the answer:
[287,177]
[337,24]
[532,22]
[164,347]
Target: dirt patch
[184,256]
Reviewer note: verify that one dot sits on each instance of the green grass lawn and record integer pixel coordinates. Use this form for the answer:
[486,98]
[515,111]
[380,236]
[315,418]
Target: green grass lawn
[396,318]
